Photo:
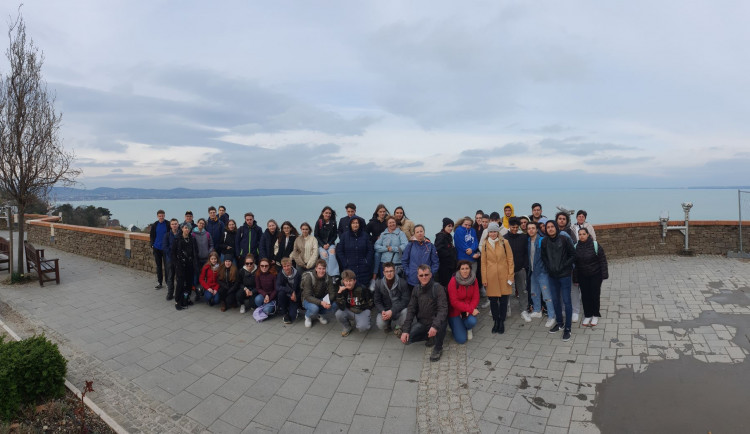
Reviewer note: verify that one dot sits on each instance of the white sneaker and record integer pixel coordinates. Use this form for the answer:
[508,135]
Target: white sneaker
[242,309]
[575,317]
[485,304]
[550,322]
[586,322]
[308,322]
[525,315]
[323,319]
[594,321]
[536,315]
[469,334]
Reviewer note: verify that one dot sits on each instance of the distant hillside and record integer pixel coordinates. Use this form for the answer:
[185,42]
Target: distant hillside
[60,194]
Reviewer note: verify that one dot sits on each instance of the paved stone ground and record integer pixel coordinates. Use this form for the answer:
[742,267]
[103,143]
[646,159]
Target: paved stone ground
[160,370]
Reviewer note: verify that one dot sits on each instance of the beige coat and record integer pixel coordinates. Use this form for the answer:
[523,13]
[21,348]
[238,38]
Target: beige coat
[408,229]
[497,267]
[305,251]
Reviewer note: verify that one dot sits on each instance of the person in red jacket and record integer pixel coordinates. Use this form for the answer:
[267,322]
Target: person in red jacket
[265,285]
[209,279]
[463,298]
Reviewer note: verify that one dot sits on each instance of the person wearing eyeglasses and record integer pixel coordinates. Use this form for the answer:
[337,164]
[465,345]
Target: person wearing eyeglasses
[246,294]
[427,313]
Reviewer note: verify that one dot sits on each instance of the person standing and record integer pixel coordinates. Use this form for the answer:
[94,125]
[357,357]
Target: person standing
[248,237]
[285,243]
[427,314]
[189,220]
[519,246]
[326,234]
[419,252]
[376,226]
[169,264]
[391,243]
[185,254]
[205,246]
[228,242]
[446,252]
[536,213]
[406,225]
[581,223]
[158,230]
[355,252]
[538,277]
[268,241]
[214,226]
[305,251]
[590,269]
[558,255]
[351,212]
[223,216]
[498,267]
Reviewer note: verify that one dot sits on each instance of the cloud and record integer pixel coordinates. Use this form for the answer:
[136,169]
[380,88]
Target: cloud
[573,145]
[610,161]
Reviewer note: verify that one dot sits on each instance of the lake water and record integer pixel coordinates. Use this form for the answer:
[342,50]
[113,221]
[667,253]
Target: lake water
[429,207]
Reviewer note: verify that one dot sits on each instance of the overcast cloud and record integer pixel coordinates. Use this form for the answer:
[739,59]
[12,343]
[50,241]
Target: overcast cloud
[391,94]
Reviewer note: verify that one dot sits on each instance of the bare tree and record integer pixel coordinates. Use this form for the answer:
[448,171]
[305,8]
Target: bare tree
[32,158]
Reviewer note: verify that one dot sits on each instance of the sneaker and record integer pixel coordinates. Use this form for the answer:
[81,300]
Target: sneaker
[397,332]
[550,322]
[594,321]
[436,353]
[308,322]
[159,286]
[429,342]
[346,332]
[536,315]
[323,320]
[242,309]
[177,306]
[170,297]
[526,317]
[575,317]
[566,335]
[586,322]
[223,307]
[287,320]
[485,304]
[555,329]
[469,335]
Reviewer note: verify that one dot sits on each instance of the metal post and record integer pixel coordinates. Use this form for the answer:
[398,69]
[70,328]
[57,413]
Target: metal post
[739,206]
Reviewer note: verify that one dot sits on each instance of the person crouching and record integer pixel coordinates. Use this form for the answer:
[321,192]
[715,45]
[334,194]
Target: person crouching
[354,302]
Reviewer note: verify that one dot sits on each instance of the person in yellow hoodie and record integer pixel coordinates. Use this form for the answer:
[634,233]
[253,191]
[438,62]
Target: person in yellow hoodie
[508,212]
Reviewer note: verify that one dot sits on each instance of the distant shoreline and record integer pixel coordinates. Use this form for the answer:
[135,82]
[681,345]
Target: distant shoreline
[62,194]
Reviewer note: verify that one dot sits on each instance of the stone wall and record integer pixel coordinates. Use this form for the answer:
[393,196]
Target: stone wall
[118,247]
[618,240]
[639,239]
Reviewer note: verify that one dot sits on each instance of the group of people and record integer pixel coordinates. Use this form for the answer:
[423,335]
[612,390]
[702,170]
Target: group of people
[416,288]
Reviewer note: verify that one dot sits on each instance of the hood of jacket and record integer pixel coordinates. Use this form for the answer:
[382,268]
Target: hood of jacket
[361,229]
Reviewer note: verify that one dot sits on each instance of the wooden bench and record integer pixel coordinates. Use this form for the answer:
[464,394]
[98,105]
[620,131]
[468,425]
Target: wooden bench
[4,254]
[36,261]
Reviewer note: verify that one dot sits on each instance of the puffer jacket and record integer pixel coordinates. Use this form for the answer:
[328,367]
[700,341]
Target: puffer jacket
[590,261]
[314,289]
[558,255]
[396,240]
[204,242]
[209,279]
[416,254]
[354,252]
[215,228]
[228,243]
[395,298]
[428,305]
[358,300]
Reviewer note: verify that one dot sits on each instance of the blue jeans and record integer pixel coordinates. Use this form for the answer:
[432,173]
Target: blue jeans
[332,267]
[269,310]
[212,299]
[560,287]
[459,327]
[539,285]
[312,310]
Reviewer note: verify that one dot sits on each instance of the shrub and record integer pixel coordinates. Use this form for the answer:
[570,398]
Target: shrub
[30,370]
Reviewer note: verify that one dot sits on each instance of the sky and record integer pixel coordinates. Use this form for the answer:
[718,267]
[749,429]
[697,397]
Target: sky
[377,95]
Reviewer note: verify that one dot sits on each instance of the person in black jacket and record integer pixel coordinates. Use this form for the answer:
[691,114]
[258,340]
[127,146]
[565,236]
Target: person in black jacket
[392,296]
[246,289]
[229,282]
[185,254]
[267,242]
[227,243]
[558,255]
[285,242]
[248,237]
[590,269]
[427,313]
[326,234]
[446,252]
[288,294]
[355,251]
[351,212]
[519,245]
[169,264]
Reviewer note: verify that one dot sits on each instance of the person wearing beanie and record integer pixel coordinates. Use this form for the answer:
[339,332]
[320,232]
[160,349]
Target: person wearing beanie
[446,252]
[497,263]
[229,282]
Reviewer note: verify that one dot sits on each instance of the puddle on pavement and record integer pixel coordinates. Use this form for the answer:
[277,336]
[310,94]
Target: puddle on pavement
[739,296]
[681,395]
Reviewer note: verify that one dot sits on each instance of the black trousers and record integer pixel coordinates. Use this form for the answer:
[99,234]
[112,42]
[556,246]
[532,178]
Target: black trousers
[160,263]
[591,291]
[419,332]
[169,269]
[184,282]
[499,307]
[286,305]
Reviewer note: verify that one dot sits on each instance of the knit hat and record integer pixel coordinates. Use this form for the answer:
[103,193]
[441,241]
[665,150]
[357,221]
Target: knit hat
[493,227]
[227,257]
[495,215]
[446,222]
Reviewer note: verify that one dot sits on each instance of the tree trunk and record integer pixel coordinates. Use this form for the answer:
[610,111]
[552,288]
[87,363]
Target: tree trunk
[21,246]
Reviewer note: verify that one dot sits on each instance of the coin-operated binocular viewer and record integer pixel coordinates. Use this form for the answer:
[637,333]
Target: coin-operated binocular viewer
[664,222]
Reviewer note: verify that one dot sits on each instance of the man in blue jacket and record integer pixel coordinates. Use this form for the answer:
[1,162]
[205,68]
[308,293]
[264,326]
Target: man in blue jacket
[418,252]
[214,226]
[156,235]
[169,264]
